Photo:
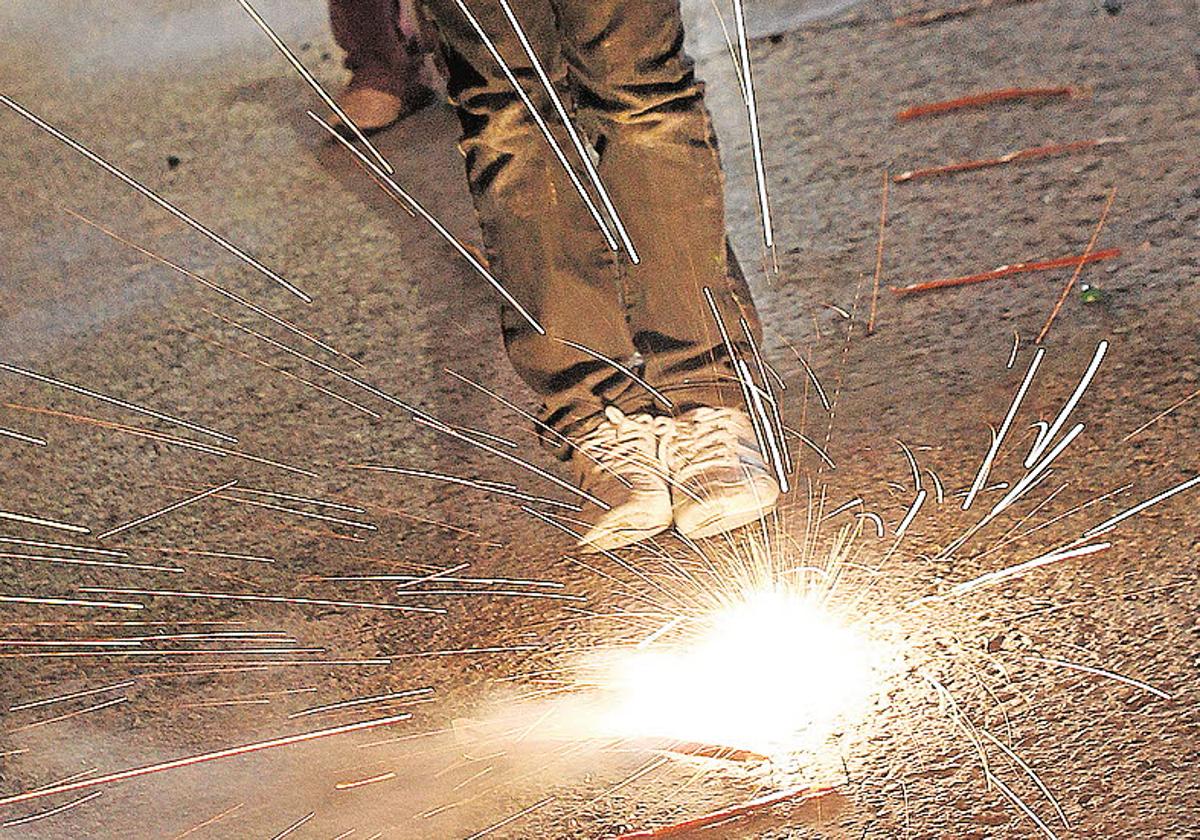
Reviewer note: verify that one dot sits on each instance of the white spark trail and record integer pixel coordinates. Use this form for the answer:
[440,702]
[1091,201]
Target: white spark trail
[314,84]
[54,524]
[70,602]
[1043,440]
[155,197]
[168,509]
[270,599]
[760,173]
[362,701]
[438,226]
[561,109]
[36,441]
[1109,524]
[1103,672]
[985,468]
[87,392]
[538,119]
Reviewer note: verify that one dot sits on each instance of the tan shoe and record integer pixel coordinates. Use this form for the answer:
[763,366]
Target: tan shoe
[373,110]
[720,480]
[619,463]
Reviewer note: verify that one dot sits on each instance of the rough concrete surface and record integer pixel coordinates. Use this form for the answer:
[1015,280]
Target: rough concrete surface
[190,98]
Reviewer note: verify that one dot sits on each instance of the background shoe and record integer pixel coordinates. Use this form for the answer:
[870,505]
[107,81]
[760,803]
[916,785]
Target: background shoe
[720,480]
[373,110]
[619,462]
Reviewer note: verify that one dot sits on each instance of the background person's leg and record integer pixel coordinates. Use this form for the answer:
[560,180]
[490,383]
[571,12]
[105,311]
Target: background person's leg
[636,92]
[541,241]
[380,53]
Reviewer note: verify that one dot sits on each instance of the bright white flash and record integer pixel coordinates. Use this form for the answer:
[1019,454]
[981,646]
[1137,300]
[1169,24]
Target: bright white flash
[774,673]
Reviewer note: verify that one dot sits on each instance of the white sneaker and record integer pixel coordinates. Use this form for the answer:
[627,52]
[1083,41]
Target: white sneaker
[620,463]
[720,480]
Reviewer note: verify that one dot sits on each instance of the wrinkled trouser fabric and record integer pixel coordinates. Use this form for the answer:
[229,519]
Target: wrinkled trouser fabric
[620,66]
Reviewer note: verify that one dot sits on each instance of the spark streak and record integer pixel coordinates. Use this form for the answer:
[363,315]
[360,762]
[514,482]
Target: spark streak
[36,441]
[270,599]
[313,83]
[43,523]
[73,696]
[245,749]
[362,701]
[535,114]
[168,509]
[155,197]
[438,226]
[588,166]
[87,392]
[1109,524]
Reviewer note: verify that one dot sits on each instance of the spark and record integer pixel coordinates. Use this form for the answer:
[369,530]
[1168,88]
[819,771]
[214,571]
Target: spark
[560,108]
[270,599]
[438,226]
[41,815]
[486,486]
[345,377]
[842,508]
[36,441]
[545,584]
[304,514]
[294,827]
[985,98]
[209,821]
[1160,416]
[1070,284]
[116,701]
[1020,803]
[1012,356]
[168,509]
[495,593]
[43,523]
[1056,556]
[73,696]
[902,528]
[812,376]
[161,437]
[513,459]
[87,392]
[654,392]
[536,115]
[1020,762]
[74,561]
[81,549]
[760,172]
[1043,439]
[208,284]
[522,813]
[245,749]
[155,197]
[985,468]
[1109,524]
[362,701]
[382,777]
[224,555]
[289,375]
[883,203]
[313,83]
[801,794]
[70,602]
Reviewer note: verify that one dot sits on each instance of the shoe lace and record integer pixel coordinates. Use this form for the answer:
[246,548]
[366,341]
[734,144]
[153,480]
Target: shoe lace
[626,447]
[711,439]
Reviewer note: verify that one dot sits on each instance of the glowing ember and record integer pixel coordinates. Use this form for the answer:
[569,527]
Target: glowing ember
[776,673]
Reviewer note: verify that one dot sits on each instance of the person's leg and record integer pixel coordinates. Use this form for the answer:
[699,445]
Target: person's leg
[636,93]
[386,59]
[541,241]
